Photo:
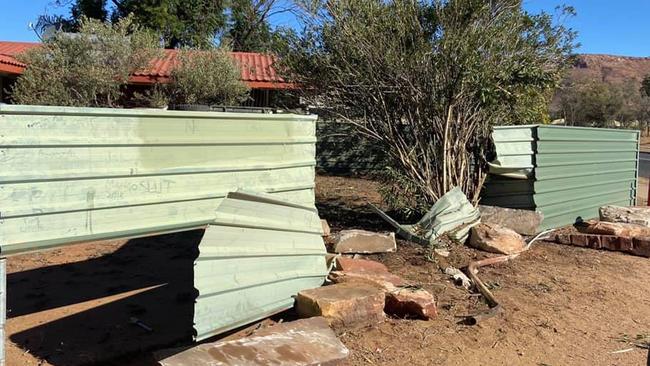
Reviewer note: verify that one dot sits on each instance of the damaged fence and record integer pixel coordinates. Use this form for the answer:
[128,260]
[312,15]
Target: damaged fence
[566,173]
[77,174]
[452,214]
[257,254]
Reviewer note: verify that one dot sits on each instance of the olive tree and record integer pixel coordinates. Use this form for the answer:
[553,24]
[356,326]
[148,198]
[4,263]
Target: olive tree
[87,68]
[206,77]
[427,79]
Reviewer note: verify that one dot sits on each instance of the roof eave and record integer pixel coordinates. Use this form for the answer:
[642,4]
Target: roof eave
[266,85]
[270,85]
[12,70]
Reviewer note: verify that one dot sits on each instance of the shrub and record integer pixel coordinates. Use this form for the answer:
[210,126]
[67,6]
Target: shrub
[85,69]
[207,77]
[427,79]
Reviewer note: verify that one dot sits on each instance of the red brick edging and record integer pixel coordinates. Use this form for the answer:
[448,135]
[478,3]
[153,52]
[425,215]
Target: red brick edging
[637,246]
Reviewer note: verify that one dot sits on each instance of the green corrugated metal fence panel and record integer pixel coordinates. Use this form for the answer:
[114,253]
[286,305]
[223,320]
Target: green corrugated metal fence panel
[342,150]
[507,192]
[577,170]
[515,146]
[253,259]
[570,165]
[76,174]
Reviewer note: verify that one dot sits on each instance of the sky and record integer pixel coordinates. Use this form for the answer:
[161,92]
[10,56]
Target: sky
[617,27]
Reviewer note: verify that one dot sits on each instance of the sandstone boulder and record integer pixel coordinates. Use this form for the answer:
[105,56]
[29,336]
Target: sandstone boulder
[302,342]
[407,301]
[385,281]
[616,228]
[496,239]
[401,298]
[630,215]
[359,265]
[361,241]
[525,222]
[343,305]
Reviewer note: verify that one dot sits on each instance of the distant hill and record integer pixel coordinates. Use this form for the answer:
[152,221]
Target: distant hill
[610,68]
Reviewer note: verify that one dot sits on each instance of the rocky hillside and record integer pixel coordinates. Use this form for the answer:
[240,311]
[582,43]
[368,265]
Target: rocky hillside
[610,68]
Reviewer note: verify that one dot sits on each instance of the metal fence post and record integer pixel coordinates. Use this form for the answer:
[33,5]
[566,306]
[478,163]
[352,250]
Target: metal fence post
[3,308]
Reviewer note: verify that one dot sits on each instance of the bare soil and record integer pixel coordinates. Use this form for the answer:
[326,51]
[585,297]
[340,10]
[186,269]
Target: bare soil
[563,305]
[73,305]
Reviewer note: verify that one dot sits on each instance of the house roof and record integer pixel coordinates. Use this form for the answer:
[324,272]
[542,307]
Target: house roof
[256,69]
[8,51]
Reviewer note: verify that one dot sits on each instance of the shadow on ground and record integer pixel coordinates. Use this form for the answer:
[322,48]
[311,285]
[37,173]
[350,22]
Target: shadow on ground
[158,269]
[79,313]
[341,216]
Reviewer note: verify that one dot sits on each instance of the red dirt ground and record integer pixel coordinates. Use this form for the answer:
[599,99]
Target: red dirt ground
[564,305]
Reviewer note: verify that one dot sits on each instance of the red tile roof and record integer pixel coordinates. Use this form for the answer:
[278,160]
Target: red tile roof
[8,50]
[256,68]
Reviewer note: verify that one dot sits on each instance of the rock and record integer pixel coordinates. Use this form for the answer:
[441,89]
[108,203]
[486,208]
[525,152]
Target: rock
[406,301]
[496,239]
[641,246]
[326,227]
[343,304]
[386,281]
[616,228]
[629,215]
[524,222]
[401,299]
[359,265]
[301,342]
[361,241]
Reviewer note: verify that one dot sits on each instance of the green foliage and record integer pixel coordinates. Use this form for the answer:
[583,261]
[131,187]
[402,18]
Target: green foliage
[589,103]
[207,77]
[249,30]
[401,192]
[155,97]
[645,86]
[84,69]
[427,79]
[600,104]
[93,9]
[181,23]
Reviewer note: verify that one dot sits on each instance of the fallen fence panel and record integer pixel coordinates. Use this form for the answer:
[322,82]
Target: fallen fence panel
[257,255]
